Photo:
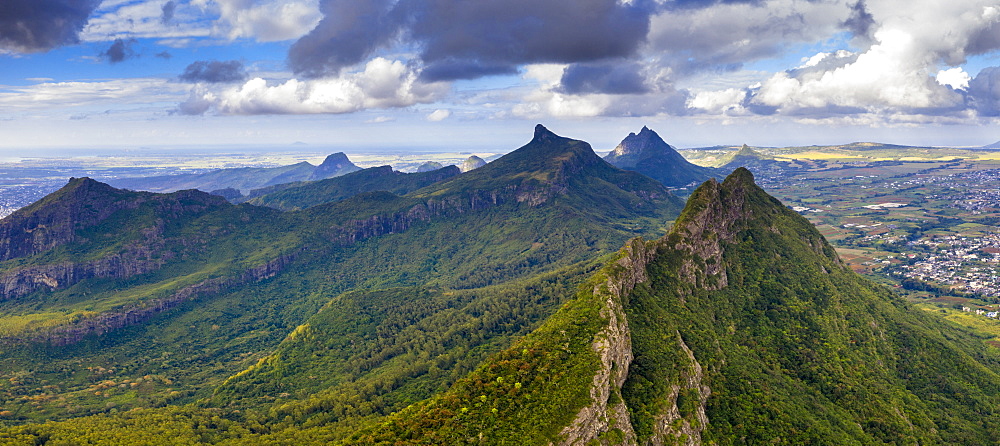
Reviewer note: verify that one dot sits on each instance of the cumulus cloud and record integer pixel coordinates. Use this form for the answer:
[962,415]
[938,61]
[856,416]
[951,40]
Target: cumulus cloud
[614,77]
[119,51]
[898,73]
[955,78]
[439,115]
[29,26]
[214,71]
[382,84]
[459,39]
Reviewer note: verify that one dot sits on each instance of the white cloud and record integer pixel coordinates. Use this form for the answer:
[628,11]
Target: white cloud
[260,20]
[382,84]
[955,78]
[439,115]
[71,97]
[267,20]
[718,102]
[900,72]
[143,20]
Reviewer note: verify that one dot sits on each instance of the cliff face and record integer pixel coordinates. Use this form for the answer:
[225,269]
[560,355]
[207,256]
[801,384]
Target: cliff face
[105,322]
[60,218]
[607,411]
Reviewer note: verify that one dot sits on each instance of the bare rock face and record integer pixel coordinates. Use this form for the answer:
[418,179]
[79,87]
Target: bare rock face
[58,219]
[607,411]
[671,427]
[472,162]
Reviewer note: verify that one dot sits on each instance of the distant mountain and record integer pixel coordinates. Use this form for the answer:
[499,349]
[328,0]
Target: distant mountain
[994,146]
[762,165]
[301,195]
[243,179]
[472,162]
[649,155]
[429,166]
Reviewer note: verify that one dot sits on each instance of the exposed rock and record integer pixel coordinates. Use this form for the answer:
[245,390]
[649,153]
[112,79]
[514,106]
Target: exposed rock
[673,427]
[138,312]
[334,165]
[472,162]
[649,155]
[83,202]
[614,346]
[430,166]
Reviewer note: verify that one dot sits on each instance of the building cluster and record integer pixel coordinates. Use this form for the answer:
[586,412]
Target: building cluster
[964,264]
[13,198]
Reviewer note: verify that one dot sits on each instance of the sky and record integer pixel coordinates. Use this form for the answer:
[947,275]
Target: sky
[80,76]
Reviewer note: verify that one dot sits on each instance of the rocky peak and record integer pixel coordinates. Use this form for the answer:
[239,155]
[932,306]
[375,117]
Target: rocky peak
[336,161]
[543,134]
[472,162]
[334,165]
[646,142]
[429,166]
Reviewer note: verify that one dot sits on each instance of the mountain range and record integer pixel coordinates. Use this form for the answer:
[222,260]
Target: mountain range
[547,297]
[241,179]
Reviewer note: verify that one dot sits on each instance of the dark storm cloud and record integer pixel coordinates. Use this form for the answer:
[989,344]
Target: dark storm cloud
[984,92]
[29,26]
[214,71]
[119,51]
[610,78]
[460,39]
[452,69]
[349,31]
[168,10]
[860,23]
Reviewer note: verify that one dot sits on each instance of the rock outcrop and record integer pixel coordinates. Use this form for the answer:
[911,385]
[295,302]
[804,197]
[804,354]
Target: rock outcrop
[607,410]
[649,155]
[471,163]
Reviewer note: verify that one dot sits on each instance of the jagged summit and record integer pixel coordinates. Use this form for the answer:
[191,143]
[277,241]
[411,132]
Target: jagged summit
[648,154]
[551,165]
[543,134]
[646,142]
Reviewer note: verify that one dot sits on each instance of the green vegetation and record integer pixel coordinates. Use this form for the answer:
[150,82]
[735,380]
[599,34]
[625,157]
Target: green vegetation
[468,254]
[301,195]
[476,310]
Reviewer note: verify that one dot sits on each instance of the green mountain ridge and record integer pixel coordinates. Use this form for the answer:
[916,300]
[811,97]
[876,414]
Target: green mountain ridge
[239,278]
[740,326]
[300,195]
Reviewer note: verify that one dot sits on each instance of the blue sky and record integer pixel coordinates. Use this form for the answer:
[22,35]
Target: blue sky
[83,75]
